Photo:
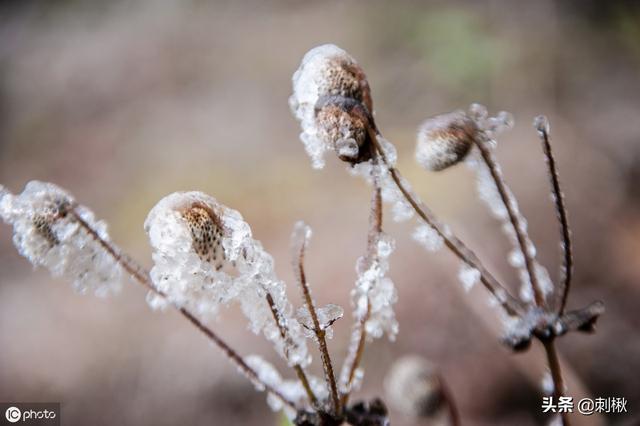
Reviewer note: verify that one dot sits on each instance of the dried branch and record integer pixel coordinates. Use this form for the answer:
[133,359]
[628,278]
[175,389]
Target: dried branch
[375,229]
[514,218]
[556,374]
[297,367]
[561,211]
[142,277]
[319,332]
[511,305]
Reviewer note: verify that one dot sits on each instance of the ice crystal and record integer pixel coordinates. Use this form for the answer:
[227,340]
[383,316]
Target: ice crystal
[328,71]
[327,315]
[51,230]
[428,237]
[205,257]
[468,276]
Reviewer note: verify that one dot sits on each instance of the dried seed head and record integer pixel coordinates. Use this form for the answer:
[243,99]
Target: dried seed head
[205,257]
[206,233]
[343,125]
[414,387]
[47,234]
[193,237]
[329,72]
[444,140]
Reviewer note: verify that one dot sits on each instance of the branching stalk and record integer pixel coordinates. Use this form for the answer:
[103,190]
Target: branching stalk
[511,305]
[319,332]
[297,367]
[375,229]
[514,218]
[142,277]
[561,211]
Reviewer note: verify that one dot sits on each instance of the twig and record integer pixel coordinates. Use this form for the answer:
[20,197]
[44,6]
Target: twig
[319,332]
[375,228]
[297,367]
[508,202]
[556,374]
[142,277]
[511,305]
[561,211]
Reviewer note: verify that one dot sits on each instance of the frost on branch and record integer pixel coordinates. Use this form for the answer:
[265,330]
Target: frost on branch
[327,315]
[47,231]
[331,99]
[205,257]
[373,298]
[490,195]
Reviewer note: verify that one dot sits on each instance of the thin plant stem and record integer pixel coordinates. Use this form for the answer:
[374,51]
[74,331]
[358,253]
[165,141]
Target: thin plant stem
[514,218]
[561,212]
[375,229]
[297,367]
[319,332]
[511,305]
[556,374]
[142,277]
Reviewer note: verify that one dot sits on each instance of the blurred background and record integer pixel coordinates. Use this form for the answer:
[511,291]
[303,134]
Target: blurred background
[123,102]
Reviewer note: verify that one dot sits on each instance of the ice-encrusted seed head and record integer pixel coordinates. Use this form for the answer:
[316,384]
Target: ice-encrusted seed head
[329,72]
[193,237]
[343,125]
[445,140]
[46,233]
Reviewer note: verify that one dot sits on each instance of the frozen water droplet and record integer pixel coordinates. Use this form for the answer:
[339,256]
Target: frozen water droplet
[541,124]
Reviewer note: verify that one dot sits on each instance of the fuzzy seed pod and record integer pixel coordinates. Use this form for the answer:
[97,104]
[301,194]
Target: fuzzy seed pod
[414,387]
[445,140]
[329,73]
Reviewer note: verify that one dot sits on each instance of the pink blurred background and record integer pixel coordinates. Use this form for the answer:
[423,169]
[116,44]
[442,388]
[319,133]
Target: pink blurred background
[123,102]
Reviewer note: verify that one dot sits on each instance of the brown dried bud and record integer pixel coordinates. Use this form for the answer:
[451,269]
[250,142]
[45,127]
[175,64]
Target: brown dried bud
[445,140]
[343,124]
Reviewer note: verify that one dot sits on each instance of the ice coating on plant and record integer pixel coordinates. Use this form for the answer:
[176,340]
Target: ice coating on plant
[468,276]
[401,210]
[205,257]
[328,71]
[327,315]
[428,237]
[292,390]
[547,383]
[541,123]
[445,140]
[47,230]
[375,291]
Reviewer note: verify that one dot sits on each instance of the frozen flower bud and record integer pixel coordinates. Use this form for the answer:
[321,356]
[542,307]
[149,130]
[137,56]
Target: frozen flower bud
[343,126]
[205,257]
[193,238]
[52,230]
[328,71]
[413,387]
[445,140]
